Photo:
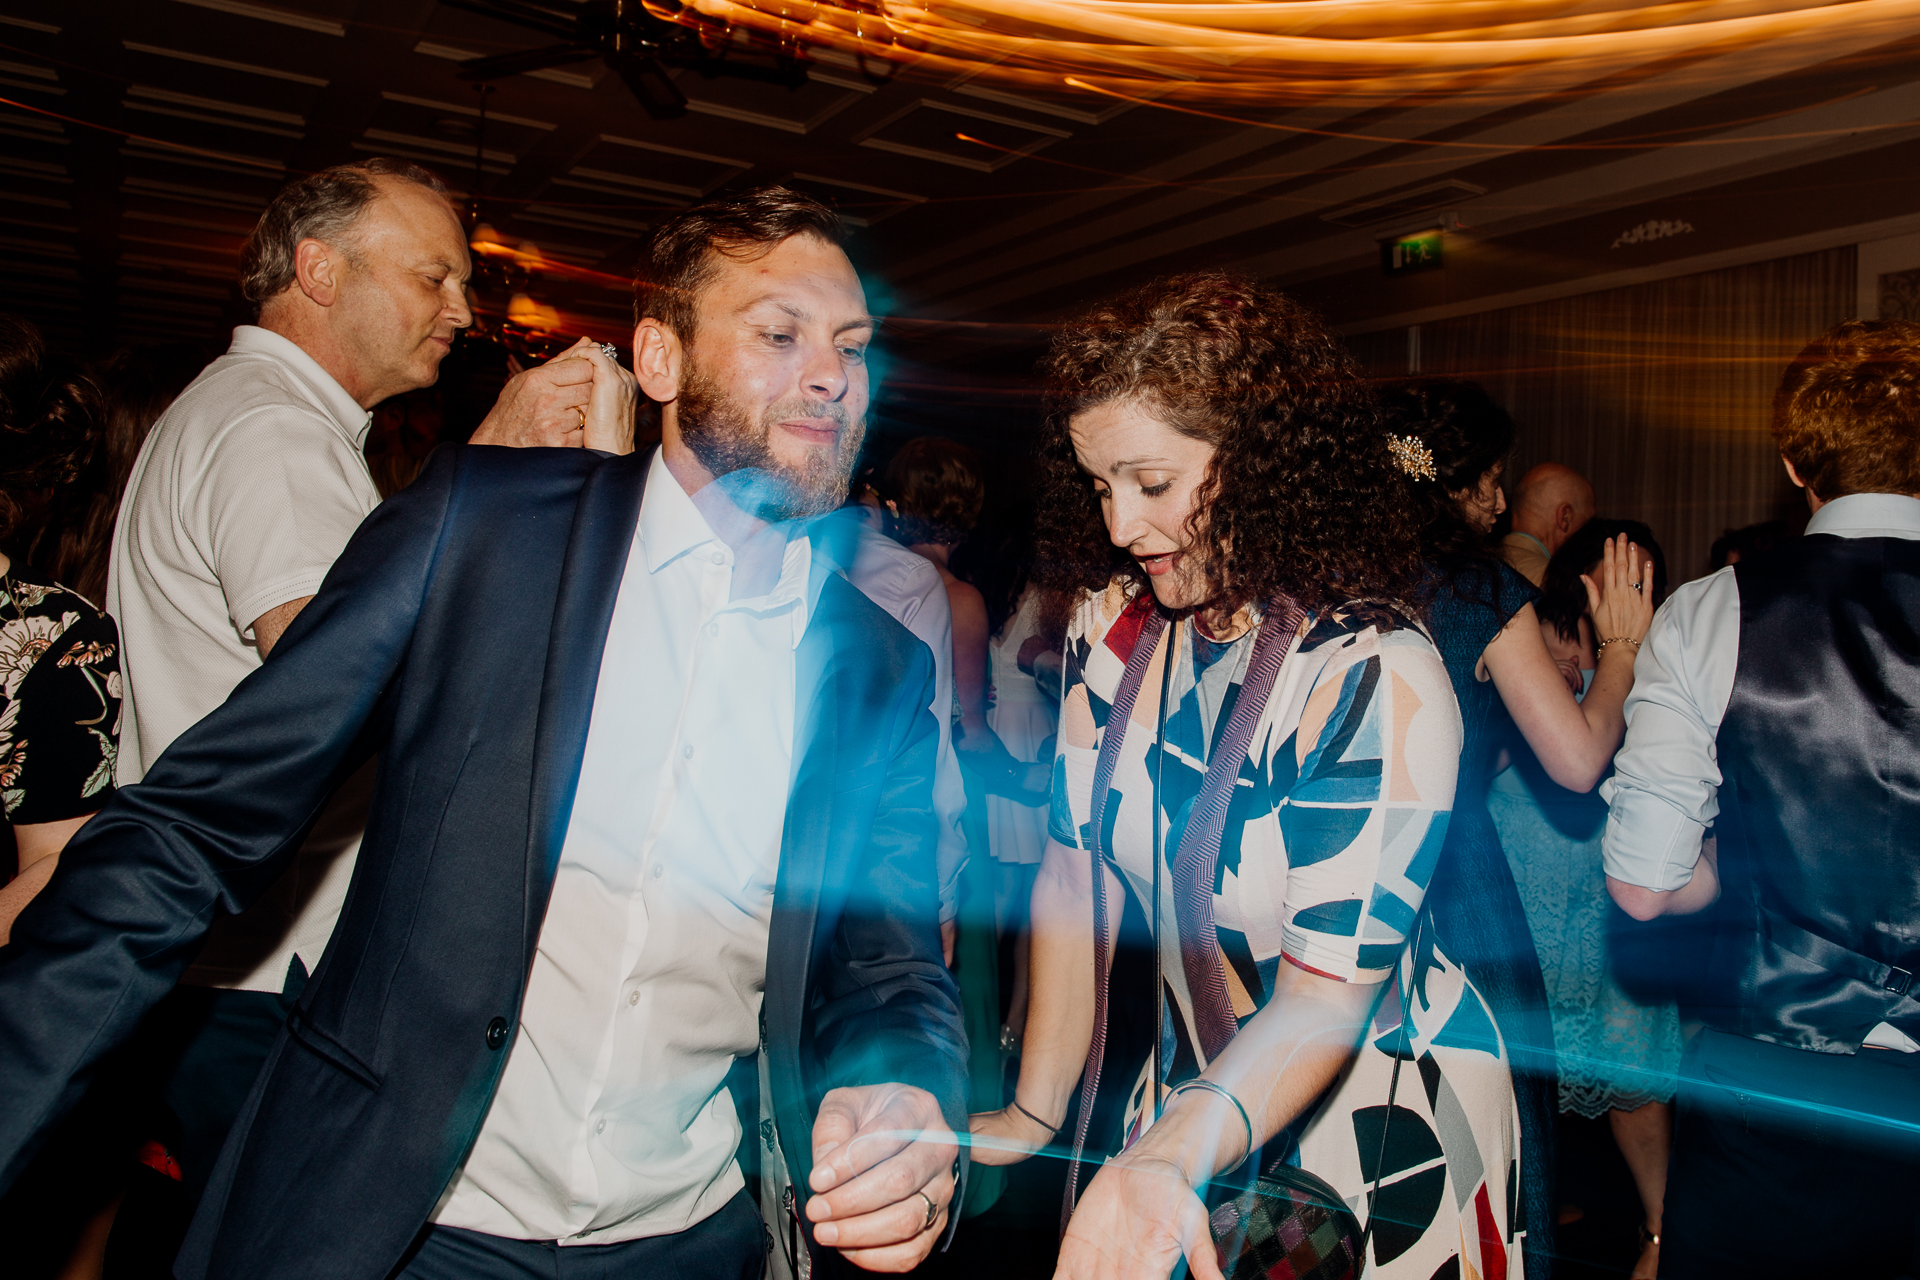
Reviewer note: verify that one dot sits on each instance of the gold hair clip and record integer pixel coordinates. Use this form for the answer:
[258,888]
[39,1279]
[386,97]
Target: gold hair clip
[1412,457]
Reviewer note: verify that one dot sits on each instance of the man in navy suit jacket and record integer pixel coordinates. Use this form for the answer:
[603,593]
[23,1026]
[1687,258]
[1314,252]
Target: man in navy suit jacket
[439,1103]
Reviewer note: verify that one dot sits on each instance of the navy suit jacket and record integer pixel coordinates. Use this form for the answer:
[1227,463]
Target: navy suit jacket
[460,636]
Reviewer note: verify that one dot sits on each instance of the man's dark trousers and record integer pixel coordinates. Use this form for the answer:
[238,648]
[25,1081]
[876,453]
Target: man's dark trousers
[728,1245]
[1790,1163]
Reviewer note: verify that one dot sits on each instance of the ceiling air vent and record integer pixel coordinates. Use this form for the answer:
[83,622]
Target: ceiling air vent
[1402,205]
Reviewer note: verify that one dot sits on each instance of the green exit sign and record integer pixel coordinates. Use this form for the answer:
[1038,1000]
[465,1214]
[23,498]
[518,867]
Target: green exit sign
[1419,251]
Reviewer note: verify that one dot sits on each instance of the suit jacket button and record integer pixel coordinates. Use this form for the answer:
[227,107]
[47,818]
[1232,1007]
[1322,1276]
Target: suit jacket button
[496,1033]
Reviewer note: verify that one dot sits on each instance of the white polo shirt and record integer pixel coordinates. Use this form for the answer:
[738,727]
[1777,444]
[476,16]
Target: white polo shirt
[243,495]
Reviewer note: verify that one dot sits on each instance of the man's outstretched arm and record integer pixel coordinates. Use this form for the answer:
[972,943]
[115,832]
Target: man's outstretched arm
[211,827]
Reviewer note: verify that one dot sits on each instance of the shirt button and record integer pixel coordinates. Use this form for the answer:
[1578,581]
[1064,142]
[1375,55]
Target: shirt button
[686,752]
[713,628]
[633,997]
[601,1127]
[658,871]
[719,557]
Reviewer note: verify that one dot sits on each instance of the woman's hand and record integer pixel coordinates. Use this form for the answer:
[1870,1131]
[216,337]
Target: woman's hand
[609,412]
[1620,602]
[1006,1136]
[1137,1219]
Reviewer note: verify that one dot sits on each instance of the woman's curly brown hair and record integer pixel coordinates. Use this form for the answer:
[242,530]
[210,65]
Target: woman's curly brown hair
[1301,487]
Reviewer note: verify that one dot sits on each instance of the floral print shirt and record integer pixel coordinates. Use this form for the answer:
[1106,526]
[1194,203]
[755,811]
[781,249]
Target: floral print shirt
[59,701]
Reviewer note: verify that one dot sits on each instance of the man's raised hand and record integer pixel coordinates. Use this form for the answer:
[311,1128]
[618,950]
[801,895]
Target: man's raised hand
[545,405]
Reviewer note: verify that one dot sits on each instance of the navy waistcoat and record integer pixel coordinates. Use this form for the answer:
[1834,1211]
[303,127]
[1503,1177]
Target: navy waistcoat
[1820,804]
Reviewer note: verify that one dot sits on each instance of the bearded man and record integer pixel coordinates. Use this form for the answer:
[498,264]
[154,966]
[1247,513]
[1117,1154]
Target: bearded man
[654,792]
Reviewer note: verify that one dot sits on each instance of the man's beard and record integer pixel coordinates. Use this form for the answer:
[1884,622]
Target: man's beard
[737,452]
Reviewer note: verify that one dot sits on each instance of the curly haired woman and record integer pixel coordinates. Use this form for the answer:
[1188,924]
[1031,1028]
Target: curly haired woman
[1245,695]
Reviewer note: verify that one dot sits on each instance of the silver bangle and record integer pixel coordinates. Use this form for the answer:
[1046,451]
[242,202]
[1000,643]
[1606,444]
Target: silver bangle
[1200,1082]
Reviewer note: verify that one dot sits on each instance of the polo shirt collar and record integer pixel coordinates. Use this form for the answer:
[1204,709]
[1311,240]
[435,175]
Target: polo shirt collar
[1868,515]
[328,395]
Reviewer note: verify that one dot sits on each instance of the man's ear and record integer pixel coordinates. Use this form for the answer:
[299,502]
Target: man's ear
[657,360]
[1792,475]
[316,271]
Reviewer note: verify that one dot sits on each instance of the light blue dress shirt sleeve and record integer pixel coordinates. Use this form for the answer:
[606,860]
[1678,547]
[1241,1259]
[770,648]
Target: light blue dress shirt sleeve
[1666,783]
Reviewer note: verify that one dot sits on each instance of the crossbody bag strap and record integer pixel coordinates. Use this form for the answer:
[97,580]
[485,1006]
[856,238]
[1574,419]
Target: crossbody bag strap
[1198,853]
[1119,714]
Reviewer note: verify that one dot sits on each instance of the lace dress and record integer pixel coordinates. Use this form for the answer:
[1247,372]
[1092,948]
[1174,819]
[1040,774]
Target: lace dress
[1614,1052]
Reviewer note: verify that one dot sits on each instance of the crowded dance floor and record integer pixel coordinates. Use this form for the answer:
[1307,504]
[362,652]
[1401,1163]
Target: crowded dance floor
[1077,639]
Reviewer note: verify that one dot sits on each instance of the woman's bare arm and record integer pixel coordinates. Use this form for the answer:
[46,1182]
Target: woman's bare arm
[1059,1009]
[1575,739]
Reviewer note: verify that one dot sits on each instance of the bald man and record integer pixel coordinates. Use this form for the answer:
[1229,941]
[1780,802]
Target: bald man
[1550,503]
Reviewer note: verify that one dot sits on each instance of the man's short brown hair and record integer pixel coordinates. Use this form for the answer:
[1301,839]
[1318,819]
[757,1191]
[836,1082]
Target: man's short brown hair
[680,257]
[1847,415]
[321,206]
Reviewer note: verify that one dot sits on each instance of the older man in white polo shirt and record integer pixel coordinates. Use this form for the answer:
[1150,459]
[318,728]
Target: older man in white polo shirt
[242,498]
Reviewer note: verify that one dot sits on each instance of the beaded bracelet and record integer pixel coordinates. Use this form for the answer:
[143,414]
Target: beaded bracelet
[1201,1083]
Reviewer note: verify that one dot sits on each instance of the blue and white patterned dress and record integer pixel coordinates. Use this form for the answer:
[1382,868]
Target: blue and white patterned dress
[1335,828]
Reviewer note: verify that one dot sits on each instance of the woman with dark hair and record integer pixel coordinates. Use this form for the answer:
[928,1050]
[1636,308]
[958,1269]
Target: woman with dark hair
[73,536]
[1256,766]
[1618,1056]
[59,655]
[1453,440]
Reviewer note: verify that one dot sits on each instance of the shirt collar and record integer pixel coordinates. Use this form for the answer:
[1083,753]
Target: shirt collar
[1868,515]
[671,525]
[353,421]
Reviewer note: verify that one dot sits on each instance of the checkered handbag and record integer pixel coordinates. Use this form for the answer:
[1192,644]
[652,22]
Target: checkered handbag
[1290,1226]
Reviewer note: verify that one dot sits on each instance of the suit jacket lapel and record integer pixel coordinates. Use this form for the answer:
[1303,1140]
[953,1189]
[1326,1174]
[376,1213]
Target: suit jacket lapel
[802,879]
[597,550]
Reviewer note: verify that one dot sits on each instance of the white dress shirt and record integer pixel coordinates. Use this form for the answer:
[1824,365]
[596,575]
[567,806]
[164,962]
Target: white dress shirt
[611,1121]
[1666,783]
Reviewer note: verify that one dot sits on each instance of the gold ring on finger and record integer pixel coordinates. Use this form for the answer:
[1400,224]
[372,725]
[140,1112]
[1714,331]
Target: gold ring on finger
[583,416]
[933,1210]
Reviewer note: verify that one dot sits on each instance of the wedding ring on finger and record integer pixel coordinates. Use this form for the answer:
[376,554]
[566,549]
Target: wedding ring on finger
[581,410]
[933,1210]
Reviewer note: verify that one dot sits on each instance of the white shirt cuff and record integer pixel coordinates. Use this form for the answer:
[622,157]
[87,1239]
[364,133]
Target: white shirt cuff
[1648,842]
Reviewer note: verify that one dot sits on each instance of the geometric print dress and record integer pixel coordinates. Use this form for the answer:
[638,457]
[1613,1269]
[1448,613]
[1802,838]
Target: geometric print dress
[1338,815]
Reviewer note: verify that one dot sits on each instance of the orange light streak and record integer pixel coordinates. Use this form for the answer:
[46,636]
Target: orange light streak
[1294,52]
